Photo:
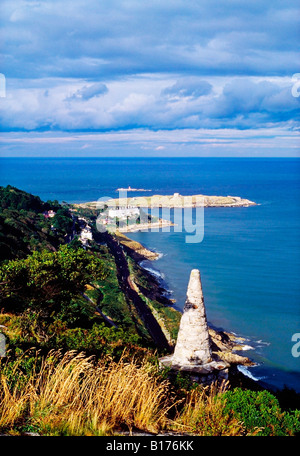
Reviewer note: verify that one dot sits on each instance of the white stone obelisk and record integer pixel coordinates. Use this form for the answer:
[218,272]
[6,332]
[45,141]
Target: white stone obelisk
[193,343]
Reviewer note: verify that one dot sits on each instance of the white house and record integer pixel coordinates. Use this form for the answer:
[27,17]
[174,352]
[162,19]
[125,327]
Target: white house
[86,235]
[124,212]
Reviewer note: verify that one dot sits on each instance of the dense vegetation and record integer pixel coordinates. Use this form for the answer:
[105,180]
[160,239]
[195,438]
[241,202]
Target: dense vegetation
[24,227]
[47,282]
[79,360]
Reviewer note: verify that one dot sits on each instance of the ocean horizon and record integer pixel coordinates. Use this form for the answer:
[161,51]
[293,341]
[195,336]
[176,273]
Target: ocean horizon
[249,258]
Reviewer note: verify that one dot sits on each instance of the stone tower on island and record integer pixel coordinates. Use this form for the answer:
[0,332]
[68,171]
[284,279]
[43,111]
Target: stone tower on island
[193,352]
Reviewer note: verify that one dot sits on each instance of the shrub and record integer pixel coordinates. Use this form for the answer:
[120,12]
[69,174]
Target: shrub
[261,413]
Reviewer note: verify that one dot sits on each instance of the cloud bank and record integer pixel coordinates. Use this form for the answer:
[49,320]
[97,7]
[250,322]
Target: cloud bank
[88,66]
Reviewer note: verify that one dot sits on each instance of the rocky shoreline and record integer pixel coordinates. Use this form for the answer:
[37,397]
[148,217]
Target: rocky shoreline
[225,345]
[136,250]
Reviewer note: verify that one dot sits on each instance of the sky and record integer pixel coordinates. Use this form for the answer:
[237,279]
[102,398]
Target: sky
[149,78]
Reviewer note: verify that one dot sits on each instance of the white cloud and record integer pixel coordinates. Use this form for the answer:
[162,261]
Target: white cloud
[172,65]
[151,103]
[89,91]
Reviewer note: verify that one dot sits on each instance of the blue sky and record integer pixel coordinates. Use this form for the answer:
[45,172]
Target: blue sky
[137,77]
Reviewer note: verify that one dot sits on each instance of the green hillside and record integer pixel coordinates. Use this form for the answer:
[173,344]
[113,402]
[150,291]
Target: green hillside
[24,227]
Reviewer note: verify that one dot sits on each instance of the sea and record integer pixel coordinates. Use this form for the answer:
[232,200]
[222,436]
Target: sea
[248,257]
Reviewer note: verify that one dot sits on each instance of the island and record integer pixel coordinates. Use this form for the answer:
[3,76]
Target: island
[131,214]
[174,201]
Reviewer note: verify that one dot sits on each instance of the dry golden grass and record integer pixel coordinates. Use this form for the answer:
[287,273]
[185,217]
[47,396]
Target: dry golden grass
[73,395]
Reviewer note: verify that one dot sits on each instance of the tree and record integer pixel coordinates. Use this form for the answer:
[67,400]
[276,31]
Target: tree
[62,221]
[47,281]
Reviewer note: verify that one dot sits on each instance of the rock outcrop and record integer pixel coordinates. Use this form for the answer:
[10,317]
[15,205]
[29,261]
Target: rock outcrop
[134,248]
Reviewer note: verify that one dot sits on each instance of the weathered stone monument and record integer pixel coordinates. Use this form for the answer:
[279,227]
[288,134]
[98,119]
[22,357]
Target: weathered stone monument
[193,344]
[193,352]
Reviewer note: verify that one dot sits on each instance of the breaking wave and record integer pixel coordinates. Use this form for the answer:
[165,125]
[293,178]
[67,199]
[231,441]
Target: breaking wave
[245,371]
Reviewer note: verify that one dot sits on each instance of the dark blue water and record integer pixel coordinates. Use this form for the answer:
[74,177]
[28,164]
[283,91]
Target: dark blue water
[249,258]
